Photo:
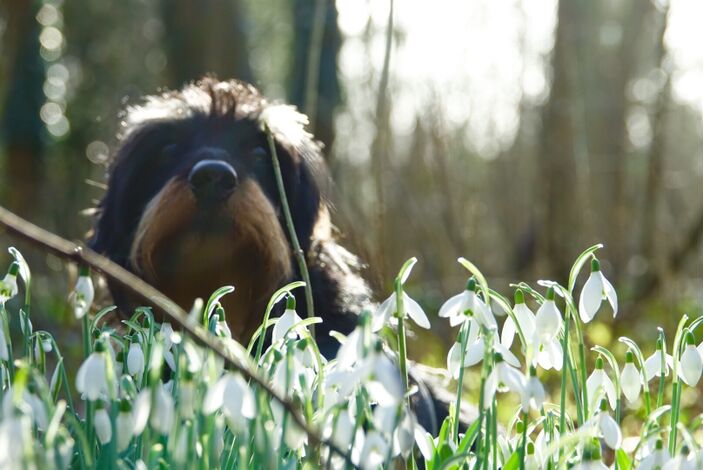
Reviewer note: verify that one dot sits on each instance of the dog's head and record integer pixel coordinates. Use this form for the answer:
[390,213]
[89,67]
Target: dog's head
[192,202]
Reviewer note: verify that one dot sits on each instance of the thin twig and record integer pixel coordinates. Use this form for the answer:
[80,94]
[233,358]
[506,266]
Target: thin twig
[82,255]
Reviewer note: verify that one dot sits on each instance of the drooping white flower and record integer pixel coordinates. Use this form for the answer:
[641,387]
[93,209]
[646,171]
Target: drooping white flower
[658,363]
[383,314]
[599,384]
[532,459]
[135,359]
[83,294]
[466,306]
[186,396]
[594,291]
[103,427]
[233,396]
[533,394]
[15,436]
[525,318]
[548,320]
[685,460]
[33,405]
[690,362]
[548,354]
[374,451]
[141,411]
[162,415]
[631,381]
[606,426]
[591,459]
[124,425]
[657,459]
[502,377]
[8,285]
[287,321]
[91,379]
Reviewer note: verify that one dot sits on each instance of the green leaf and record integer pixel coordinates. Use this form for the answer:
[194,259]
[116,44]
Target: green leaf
[405,270]
[513,462]
[577,266]
[213,300]
[478,274]
[469,437]
[624,462]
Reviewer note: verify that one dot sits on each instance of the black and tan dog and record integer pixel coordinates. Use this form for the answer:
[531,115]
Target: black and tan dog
[192,205]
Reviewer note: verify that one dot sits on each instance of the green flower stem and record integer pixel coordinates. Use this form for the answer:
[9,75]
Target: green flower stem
[524,441]
[90,406]
[401,332]
[676,384]
[494,442]
[289,367]
[563,381]
[582,368]
[464,333]
[4,318]
[297,251]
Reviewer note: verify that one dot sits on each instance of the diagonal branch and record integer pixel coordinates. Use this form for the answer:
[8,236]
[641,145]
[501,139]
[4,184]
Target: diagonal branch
[82,255]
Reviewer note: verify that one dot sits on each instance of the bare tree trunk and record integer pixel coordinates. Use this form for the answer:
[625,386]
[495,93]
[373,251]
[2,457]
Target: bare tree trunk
[205,36]
[21,126]
[313,83]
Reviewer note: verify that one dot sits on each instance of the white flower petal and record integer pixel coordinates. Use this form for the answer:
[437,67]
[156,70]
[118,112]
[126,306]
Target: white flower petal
[590,298]
[453,360]
[690,366]
[214,397]
[415,312]
[548,321]
[141,410]
[383,313]
[610,430]
[610,293]
[513,379]
[508,332]
[475,353]
[453,305]
[630,382]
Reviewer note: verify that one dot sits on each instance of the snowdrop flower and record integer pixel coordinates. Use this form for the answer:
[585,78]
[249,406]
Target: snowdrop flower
[135,359]
[548,320]
[141,411]
[532,460]
[30,402]
[605,425]
[103,428]
[374,451]
[690,362]
[287,321]
[466,306]
[657,459]
[631,381]
[340,427]
[595,289]
[655,365]
[83,293]
[124,425]
[388,308]
[91,379]
[549,354]
[599,383]
[162,416]
[219,324]
[533,394]
[15,437]
[502,377]
[591,459]
[525,318]
[8,286]
[684,461]
[231,394]
[351,350]
[474,353]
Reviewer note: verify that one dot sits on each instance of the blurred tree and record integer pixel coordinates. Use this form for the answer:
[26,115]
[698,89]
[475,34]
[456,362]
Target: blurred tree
[313,82]
[22,128]
[205,36]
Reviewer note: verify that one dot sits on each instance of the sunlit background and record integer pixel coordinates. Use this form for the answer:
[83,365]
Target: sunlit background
[513,133]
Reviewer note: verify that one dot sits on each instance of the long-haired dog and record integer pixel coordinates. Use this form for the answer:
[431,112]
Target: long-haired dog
[192,205]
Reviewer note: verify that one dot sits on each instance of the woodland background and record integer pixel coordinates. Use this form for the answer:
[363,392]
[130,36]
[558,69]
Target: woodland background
[513,133]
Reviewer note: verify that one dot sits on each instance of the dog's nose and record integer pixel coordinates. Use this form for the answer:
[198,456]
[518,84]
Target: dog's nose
[212,180]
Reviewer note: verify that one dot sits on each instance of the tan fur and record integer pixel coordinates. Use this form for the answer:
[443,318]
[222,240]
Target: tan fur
[249,251]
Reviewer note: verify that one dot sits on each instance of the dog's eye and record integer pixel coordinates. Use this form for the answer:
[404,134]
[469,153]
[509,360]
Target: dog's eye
[259,159]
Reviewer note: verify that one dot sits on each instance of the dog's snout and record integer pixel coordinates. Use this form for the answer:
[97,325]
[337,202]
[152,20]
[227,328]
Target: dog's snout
[212,180]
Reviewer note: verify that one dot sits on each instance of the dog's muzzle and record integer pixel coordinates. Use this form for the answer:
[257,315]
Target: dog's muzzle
[212,181]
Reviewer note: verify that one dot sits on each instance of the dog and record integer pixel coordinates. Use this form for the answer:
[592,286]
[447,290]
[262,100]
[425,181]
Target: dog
[192,205]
